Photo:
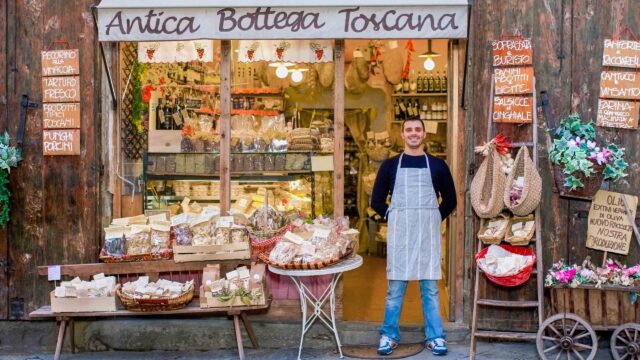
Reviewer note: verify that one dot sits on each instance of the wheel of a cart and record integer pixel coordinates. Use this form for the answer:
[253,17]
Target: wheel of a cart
[625,342]
[566,336]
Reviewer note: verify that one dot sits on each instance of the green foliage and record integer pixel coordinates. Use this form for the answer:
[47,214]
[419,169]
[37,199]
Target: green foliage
[136,88]
[9,157]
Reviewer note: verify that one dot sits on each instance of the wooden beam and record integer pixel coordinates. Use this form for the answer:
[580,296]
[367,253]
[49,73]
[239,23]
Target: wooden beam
[338,130]
[224,126]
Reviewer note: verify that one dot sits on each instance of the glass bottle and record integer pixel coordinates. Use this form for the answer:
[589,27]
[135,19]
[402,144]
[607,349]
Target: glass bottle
[416,108]
[419,83]
[413,85]
[396,111]
[405,85]
[443,83]
[436,83]
[178,121]
[430,83]
[159,114]
[168,115]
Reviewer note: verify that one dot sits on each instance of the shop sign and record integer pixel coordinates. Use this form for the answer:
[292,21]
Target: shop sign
[620,85]
[60,62]
[621,53]
[61,89]
[61,142]
[609,228]
[512,52]
[618,114]
[133,22]
[510,81]
[513,109]
[61,115]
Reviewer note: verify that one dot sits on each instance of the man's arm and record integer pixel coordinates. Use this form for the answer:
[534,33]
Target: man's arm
[447,191]
[381,189]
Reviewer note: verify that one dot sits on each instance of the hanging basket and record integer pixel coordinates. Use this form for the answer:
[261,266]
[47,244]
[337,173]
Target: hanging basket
[520,239]
[591,184]
[495,237]
[524,167]
[487,187]
[516,279]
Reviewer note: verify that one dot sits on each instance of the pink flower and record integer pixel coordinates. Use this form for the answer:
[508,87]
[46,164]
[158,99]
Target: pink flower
[613,266]
[632,270]
[565,276]
[572,144]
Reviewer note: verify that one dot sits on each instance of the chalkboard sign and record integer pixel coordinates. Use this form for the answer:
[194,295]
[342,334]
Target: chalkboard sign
[61,115]
[620,85]
[513,109]
[61,89]
[60,62]
[621,53]
[609,228]
[61,142]
[510,81]
[512,52]
[618,113]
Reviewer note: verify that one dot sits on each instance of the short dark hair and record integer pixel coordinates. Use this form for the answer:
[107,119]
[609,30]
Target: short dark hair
[412,119]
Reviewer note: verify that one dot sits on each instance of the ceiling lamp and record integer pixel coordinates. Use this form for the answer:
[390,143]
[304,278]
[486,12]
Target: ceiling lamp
[429,64]
[296,74]
[281,68]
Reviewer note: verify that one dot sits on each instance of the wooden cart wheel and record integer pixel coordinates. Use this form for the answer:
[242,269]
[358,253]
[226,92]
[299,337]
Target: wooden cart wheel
[566,336]
[625,342]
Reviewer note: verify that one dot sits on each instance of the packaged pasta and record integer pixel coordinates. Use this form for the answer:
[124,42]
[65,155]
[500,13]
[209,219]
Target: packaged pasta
[160,236]
[114,241]
[180,229]
[138,240]
[201,229]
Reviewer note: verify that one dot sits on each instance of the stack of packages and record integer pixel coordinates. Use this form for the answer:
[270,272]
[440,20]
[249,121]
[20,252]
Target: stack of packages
[161,289]
[137,238]
[100,286]
[207,228]
[303,139]
[242,286]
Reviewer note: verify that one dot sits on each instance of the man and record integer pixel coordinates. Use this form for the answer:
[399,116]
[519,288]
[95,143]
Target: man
[414,180]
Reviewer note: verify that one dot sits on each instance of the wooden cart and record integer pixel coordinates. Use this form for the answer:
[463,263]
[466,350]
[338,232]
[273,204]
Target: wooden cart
[579,312]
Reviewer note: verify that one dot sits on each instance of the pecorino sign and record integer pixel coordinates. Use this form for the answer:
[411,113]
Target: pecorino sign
[329,22]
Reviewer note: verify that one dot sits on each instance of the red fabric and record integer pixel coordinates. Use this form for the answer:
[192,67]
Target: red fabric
[511,280]
[282,287]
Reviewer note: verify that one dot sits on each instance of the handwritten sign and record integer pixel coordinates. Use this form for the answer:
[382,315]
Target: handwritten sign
[513,109]
[618,114]
[60,62]
[510,81]
[620,85]
[61,142]
[61,89]
[609,227]
[512,52]
[61,116]
[621,53]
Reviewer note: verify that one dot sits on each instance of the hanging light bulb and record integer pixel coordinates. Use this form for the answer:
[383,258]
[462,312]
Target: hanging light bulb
[296,75]
[282,71]
[429,64]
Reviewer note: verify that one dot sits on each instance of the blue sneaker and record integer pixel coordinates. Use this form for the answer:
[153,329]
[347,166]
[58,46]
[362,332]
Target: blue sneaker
[437,346]
[386,345]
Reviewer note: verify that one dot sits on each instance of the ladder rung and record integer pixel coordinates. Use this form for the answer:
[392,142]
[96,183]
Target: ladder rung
[508,303]
[506,335]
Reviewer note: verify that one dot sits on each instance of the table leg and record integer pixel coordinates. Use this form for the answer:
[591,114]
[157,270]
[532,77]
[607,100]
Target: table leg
[303,307]
[247,325]
[72,333]
[332,302]
[61,329]
[236,325]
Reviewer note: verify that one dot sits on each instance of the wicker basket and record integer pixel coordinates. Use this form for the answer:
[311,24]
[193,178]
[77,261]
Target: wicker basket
[261,244]
[591,184]
[305,266]
[133,304]
[532,190]
[498,236]
[378,153]
[487,187]
[520,240]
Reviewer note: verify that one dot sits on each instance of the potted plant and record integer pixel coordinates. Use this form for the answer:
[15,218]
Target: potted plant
[9,157]
[580,162]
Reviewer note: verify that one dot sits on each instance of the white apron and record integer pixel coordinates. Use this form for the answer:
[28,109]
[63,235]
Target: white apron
[413,227]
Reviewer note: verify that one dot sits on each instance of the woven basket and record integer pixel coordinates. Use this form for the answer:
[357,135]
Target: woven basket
[378,153]
[133,304]
[487,187]
[532,190]
[520,240]
[305,266]
[510,280]
[591,184]
[497,237]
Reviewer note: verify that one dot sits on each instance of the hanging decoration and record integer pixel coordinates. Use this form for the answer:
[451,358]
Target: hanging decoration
[374,57]
[295,51]
[175,51]
[407,65]
[138,97]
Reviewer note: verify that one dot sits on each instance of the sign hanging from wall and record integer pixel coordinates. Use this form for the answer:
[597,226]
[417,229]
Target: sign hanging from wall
[512,52]
[192,20]
[61,102]
[609,228]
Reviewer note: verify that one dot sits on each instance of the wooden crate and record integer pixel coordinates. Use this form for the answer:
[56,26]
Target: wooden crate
[182,253]
[604,308]
[83,304]
[212,302]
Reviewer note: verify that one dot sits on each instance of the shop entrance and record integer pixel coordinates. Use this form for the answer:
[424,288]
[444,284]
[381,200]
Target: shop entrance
[421,87]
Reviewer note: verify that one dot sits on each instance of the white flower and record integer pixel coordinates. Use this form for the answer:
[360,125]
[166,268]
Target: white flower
[591,144]
[572,144]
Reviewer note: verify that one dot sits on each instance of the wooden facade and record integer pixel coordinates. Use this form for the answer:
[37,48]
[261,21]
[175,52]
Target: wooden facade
[58,203]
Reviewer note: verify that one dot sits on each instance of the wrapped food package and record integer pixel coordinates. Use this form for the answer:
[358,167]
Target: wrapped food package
[283,252]
[114,241]
[138,240]
[160,236]
[201,228]
[500,262]
[392,63]
[361,65]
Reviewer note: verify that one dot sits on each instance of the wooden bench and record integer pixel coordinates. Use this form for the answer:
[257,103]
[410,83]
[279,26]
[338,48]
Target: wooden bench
[165,269]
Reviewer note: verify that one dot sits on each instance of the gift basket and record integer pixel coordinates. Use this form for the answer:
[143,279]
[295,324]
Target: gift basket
[524,185]
[506,265]
[266,226]
[142,295]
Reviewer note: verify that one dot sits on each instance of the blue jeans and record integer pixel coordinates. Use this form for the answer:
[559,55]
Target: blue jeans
[430,309]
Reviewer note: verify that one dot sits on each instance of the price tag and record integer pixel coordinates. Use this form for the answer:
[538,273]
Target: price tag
[294,238]
[177,118]
[53,272]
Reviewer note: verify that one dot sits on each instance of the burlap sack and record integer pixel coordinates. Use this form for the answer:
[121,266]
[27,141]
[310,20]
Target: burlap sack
[487,187]
[532,190]
[326,73]
[362,67]
[392,65]
[352,81]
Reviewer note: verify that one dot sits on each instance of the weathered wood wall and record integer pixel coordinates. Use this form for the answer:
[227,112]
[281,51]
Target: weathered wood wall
[54,207]
[567,39]
[4,279]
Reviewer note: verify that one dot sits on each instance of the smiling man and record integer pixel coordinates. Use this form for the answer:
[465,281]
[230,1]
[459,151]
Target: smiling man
[415,181]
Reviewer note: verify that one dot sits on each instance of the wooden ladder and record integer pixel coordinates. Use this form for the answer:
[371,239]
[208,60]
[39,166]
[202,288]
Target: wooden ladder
[538,271]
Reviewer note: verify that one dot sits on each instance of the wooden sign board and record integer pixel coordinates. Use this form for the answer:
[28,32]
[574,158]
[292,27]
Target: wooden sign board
[61,142]
[513,109]
[511,81]
[620,85]
[60,62]
[61,115]
[618,114]
[61,89]
[621,53]
[512,52]
[609,228]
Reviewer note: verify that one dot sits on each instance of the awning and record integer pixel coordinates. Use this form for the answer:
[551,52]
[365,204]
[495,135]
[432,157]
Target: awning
[172,20]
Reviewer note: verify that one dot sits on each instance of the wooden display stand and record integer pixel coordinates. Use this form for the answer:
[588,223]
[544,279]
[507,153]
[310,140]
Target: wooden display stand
[188,253]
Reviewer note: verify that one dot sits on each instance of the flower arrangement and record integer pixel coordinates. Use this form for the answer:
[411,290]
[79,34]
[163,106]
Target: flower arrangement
[574,149]
[613,273]
[9,157]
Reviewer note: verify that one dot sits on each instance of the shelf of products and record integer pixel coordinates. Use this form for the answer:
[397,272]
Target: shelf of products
[351,165]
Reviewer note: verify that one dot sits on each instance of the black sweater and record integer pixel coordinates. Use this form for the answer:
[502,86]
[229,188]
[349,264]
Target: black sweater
[440,175]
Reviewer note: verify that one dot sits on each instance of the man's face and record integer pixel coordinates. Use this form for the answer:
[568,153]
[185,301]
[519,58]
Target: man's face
[413,134]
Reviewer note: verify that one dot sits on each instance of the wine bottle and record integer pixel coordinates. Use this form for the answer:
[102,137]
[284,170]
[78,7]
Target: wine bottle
[168,115]
[159,114]
[419,82]
[430,83]
[396,111]
[436,83]
[444,85]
